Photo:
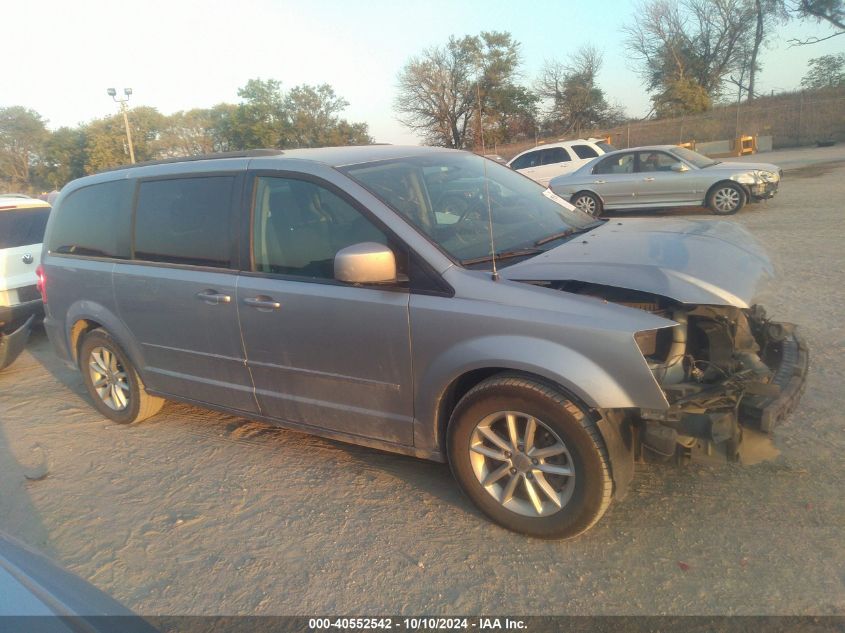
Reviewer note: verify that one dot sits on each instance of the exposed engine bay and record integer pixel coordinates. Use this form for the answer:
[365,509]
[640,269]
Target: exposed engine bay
[722,369]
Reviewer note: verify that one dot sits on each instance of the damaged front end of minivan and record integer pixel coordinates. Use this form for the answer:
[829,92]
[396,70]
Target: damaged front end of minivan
[727,373]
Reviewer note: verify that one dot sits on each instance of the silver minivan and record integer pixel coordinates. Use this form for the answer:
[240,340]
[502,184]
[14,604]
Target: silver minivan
[424,301]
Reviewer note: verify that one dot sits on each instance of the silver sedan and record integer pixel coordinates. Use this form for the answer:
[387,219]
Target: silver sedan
[666,176]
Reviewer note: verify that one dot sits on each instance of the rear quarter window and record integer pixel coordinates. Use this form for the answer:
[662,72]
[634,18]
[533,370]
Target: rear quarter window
[584,151]
[22,228]
[93,221]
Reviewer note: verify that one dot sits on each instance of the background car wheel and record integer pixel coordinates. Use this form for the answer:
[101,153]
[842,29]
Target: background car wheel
[726,198]
[529,457]
[112,382]
[588,203]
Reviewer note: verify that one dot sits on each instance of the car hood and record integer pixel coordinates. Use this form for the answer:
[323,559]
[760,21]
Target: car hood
[691,261]
[747,166]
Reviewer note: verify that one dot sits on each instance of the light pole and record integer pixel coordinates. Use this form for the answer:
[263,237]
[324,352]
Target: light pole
[123,108]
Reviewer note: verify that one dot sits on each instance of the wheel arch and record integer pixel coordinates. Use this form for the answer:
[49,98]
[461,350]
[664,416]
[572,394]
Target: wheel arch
[614,426]
[726,181]
[85,316]
[445,378]
[585,190]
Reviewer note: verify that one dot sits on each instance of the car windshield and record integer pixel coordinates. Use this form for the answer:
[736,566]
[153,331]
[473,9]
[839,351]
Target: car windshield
[445,195]
[694,158]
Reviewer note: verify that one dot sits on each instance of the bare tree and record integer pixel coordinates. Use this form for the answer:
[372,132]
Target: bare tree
[830,11]
[443,93]
[435,96]
[571,90]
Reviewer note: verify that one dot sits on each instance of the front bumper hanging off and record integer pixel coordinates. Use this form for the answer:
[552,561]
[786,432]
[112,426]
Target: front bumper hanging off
[11,345]
[711,420]
[766,412]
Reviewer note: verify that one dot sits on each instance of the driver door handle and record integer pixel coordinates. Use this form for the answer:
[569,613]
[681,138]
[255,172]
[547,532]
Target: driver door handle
[649,179]
[213,298]
[261,303]
[599,182]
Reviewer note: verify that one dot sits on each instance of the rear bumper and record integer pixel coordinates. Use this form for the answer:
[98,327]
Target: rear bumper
[766,412]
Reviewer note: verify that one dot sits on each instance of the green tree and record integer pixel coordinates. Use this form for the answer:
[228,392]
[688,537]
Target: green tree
[188,133]
[307,116]
[106,144]
[679,97]
[63,158]
[827,71]
[313,119]
[259,120]
[22,136]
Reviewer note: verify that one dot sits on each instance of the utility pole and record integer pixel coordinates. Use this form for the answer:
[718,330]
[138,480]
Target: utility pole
[124,109]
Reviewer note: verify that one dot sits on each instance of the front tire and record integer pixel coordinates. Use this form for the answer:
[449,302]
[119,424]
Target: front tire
[589,203]
[726,198]
[113,382]
[529,457]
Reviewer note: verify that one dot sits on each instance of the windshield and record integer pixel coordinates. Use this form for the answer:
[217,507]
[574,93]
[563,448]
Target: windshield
[694,158]
[445,194]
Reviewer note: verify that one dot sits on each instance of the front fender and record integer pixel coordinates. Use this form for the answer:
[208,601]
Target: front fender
[625,382]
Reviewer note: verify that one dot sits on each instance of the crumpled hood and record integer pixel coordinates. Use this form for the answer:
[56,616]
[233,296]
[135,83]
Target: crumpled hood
[692,261]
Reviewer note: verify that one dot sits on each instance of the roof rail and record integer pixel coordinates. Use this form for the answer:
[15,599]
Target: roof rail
[250,153]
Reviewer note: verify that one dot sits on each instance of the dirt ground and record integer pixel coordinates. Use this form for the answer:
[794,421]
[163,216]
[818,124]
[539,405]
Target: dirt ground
[195,512]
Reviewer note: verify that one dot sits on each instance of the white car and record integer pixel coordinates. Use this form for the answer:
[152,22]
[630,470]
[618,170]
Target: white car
[544,162]
[22,223]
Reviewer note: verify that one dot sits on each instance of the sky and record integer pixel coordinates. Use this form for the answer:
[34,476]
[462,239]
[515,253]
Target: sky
[183,54]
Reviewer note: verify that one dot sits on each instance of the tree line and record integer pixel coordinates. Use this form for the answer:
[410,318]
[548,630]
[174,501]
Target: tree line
[34,158]
[690,54]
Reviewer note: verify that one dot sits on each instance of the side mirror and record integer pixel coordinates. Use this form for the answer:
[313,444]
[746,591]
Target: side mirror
[365,263]
[679,167]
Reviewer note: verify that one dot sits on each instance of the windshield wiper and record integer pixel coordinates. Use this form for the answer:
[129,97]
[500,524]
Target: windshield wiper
[522,252]
[561,234]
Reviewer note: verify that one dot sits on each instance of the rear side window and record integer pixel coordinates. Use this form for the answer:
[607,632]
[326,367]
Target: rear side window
[22,228]
[531,159]
[555,155]
[94,221]
[185,221]
[606,147]
[584,151]
[616,164]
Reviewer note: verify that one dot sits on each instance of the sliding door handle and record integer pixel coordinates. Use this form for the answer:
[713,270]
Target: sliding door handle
[262,303]
[213,298]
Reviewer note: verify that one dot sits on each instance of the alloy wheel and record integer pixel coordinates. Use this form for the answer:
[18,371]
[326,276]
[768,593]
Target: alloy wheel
[109,378]
[587,204]
[726,199]
[522,463]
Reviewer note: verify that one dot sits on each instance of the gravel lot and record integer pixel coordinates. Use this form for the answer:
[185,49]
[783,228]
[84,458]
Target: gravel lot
[195,512]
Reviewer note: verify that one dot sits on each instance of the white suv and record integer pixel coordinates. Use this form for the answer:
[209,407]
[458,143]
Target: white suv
[22,222]
[544,162]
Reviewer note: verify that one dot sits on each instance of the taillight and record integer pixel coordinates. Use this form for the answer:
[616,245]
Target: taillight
[40,284]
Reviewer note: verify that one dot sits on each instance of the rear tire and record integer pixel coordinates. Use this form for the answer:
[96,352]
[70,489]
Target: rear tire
[112,381]
[726,198]
[549,481]
[589,203]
